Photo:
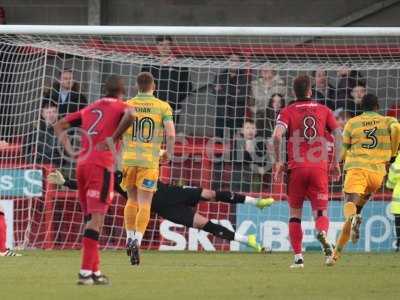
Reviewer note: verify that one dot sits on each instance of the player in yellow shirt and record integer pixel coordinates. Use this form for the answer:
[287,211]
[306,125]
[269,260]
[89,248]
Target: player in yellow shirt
[370,140]
[142,129]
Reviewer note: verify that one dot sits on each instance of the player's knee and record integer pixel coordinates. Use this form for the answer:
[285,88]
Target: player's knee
[96,221]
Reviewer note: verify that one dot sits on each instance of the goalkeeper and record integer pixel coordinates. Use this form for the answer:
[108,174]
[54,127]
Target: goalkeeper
[393,183]
[178,205]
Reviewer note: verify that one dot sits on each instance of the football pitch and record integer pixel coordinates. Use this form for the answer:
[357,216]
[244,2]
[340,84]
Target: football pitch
[187,275]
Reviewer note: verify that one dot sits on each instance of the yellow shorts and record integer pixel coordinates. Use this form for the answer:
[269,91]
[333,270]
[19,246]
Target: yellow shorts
[362,182]
[141,178]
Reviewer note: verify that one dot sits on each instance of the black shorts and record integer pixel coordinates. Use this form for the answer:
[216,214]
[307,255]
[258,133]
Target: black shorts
[177,204]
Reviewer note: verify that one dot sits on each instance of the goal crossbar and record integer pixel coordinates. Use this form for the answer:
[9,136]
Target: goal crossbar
[199,30]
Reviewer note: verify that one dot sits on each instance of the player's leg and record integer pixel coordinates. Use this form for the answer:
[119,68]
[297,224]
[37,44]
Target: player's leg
[3,236]
[131,207]
[201,222]
[96,193]
[296,189]
[355,185]
[130,213]
[318,195]
[296,236]
[234,198]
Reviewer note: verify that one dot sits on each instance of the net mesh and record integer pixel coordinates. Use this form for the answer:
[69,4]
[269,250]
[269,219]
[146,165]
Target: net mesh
[215,84]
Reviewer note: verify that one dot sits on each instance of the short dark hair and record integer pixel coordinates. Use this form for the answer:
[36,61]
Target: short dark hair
[162,38]
[301,86]
[250,121]
[114,86]
[145,81]
[47,103]
[370,102]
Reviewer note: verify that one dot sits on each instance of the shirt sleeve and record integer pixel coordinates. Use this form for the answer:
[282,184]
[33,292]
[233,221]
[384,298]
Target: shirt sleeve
[167,113]
[331,123]
[395,136]
[283,118]
[74,119]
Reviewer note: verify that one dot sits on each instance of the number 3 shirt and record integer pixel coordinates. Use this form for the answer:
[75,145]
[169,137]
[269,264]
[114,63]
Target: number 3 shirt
[367,142]
[98,121]
[142,141]
[306,122]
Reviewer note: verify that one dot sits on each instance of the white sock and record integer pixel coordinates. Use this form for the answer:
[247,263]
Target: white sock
[97,273]
[250,200]
[85,272]
[130,234]
[139,237]
[298,256]
[241,238]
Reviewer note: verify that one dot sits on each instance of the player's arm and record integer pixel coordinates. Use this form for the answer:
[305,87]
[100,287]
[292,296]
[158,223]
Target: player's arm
[395,137]
[346,144]
[126,121]
[71,120]
[169,130]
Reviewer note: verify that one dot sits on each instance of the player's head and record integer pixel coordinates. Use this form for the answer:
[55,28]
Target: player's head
[114,87]
[302,87]
[370,103]
[249,130]
[164,44]
[145,83]
[49,112]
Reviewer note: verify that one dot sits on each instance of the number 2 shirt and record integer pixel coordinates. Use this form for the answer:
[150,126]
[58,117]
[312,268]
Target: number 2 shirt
[142,141]
[97,121]
[306,123]
[367,142]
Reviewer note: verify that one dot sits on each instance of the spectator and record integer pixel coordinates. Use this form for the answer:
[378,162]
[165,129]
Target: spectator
[248,162]
[347,80]
[47,151]
[2,16]
[172,83]
[264,87]
[231,86]
[322,91]
[353,105]
[67,95]
[265,120]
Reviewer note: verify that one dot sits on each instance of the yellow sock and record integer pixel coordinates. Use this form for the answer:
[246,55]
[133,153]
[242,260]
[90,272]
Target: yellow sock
[143,217]
[344,236]
[130,215]
[349,209]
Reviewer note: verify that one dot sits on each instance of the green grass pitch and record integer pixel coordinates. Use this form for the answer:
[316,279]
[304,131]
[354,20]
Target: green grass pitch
[184,275]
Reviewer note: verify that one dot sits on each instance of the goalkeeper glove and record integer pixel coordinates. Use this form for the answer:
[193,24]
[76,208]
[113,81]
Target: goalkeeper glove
[56,177]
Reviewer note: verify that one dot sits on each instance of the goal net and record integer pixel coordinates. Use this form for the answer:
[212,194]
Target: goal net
[226,86]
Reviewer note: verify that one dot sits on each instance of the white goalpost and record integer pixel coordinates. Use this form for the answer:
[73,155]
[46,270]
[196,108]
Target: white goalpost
[226,85]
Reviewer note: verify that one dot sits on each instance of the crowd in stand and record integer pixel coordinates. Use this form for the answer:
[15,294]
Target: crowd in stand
[247,105]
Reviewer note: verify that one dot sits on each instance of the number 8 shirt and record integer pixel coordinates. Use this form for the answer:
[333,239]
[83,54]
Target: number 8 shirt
[306,123]
[142,141]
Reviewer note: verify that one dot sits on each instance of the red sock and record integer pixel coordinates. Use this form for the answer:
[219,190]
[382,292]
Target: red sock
[295,234]
[90,249]
[96,263]
[3,233]
[322,224]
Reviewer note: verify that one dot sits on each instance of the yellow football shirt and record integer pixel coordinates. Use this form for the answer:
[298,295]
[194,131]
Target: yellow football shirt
[368,142]
[142,141]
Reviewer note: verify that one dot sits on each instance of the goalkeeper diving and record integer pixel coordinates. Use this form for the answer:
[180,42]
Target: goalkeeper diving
[178,204]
